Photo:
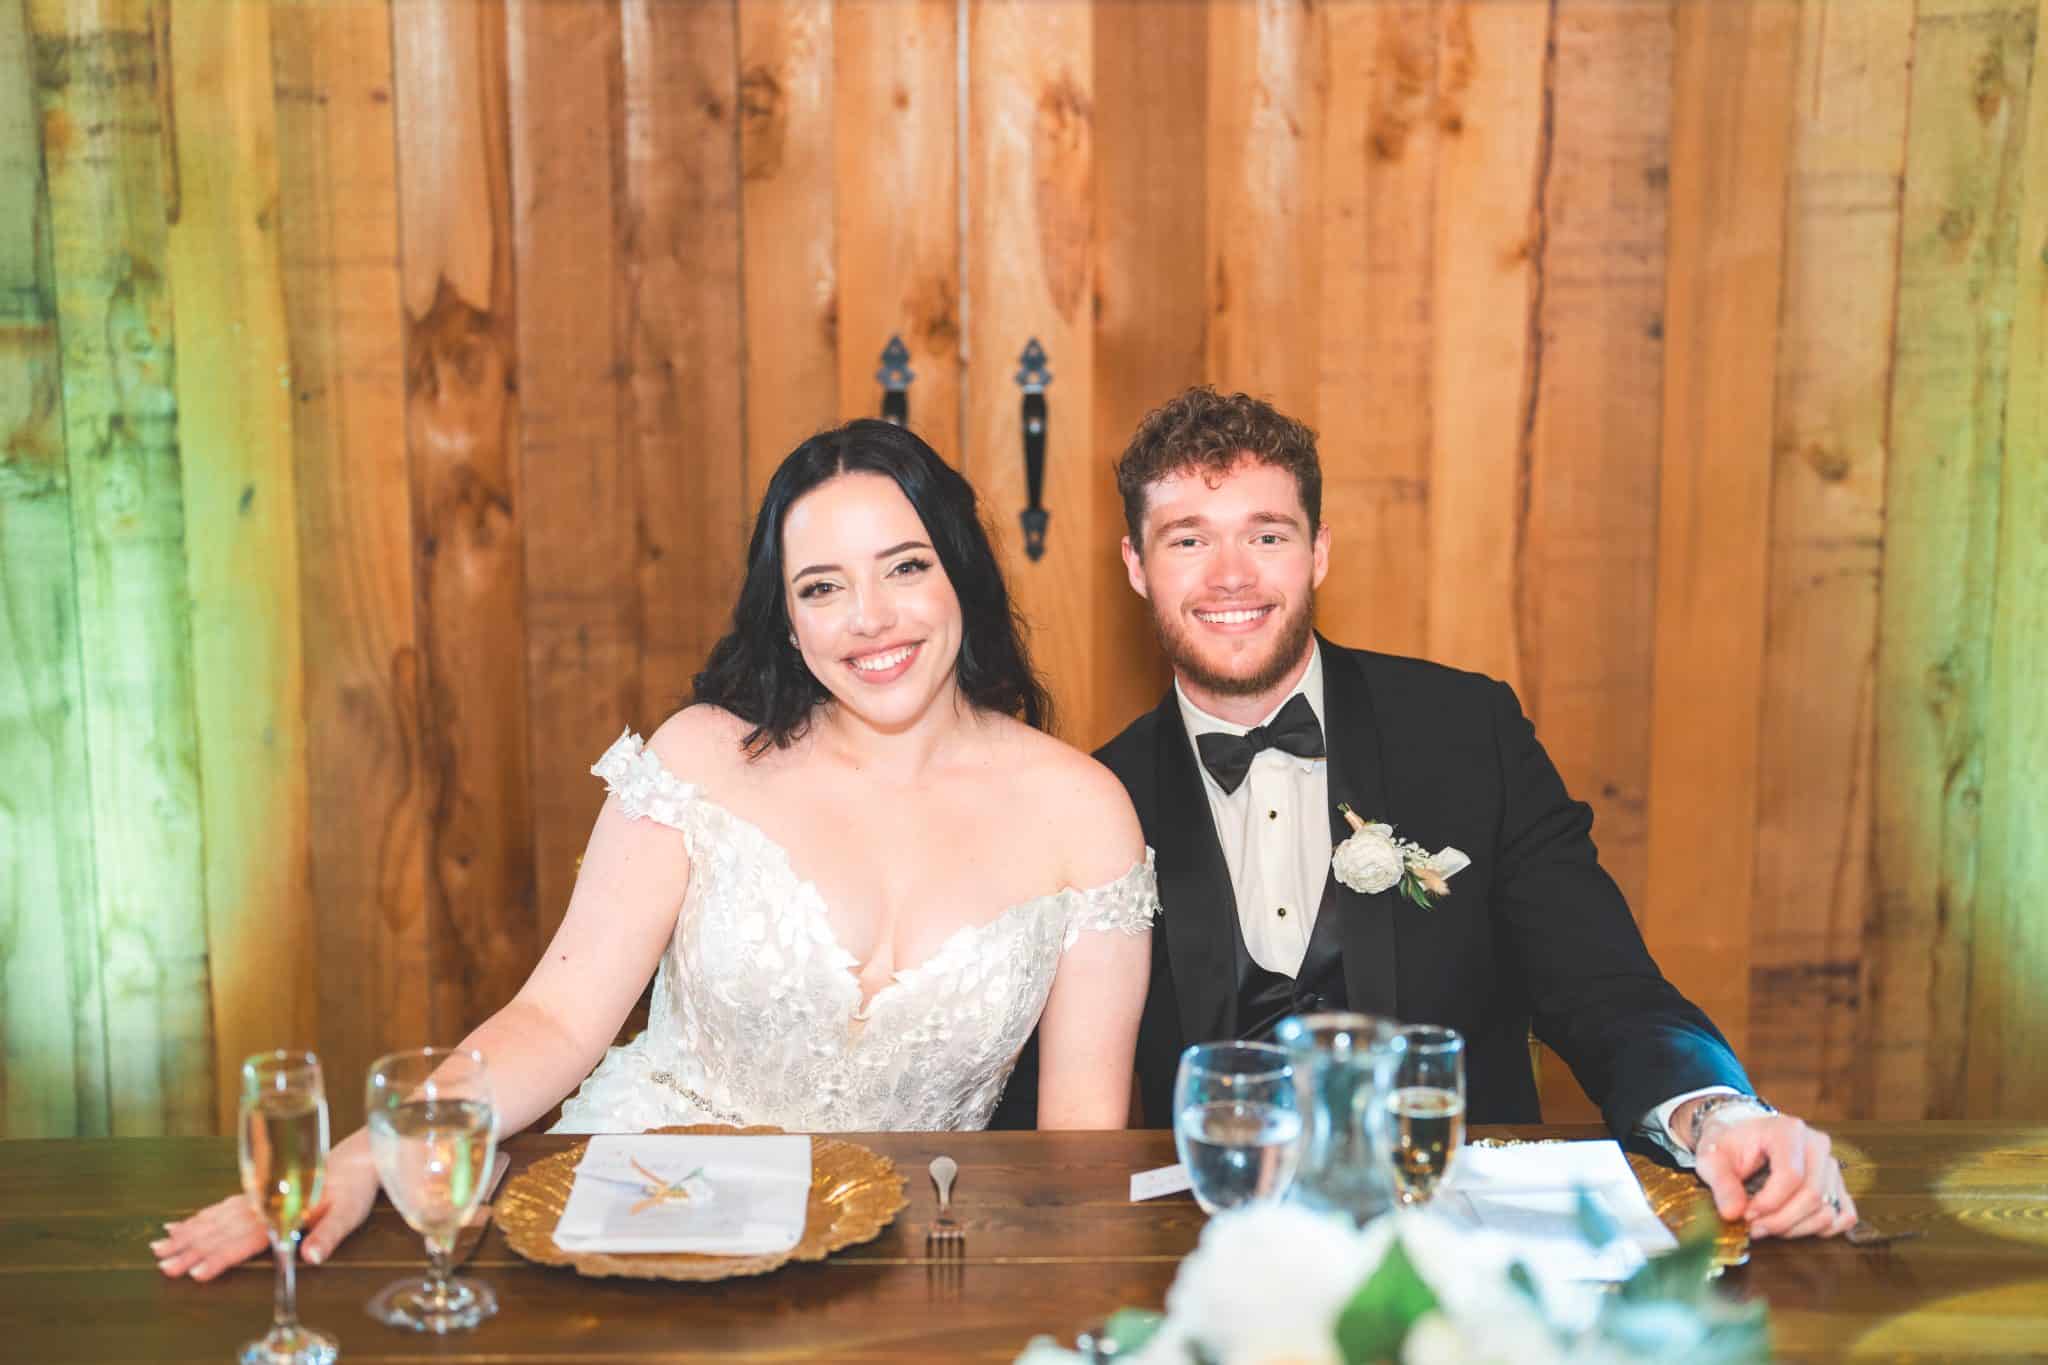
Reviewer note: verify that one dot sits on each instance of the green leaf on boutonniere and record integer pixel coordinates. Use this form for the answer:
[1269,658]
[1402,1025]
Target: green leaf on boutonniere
[1375,1323]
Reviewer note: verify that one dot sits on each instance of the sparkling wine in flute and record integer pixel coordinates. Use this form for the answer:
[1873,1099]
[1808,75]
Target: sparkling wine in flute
[433,1157]
[284,1156]
[1428,1128]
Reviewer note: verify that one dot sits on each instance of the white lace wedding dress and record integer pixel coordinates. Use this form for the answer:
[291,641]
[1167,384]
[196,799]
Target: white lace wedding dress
[757,1015]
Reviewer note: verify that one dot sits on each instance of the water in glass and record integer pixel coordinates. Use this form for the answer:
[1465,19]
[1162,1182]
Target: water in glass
[433,1133]
[1235,1122]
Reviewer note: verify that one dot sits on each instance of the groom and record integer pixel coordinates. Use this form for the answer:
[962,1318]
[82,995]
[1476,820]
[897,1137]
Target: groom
[1238,776]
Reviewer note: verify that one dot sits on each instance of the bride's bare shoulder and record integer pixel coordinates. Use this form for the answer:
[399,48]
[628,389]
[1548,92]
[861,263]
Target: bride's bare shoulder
[1077,805]
[700,742]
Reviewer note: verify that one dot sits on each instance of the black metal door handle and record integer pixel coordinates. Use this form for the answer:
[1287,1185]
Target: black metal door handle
[895,376]
[1032,378]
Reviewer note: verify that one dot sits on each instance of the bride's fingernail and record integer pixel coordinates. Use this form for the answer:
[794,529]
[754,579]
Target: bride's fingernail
[313,1256]
[160,1246]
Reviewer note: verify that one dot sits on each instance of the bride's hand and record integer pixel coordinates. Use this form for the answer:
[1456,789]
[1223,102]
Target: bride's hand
[229,1232]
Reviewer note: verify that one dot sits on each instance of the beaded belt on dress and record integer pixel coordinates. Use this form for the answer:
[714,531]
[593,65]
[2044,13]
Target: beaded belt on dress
[722,1115]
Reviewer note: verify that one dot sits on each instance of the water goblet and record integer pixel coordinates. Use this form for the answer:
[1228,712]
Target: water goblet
[1235,1122]
[282,1141]
[433,1133]
[1425,1109]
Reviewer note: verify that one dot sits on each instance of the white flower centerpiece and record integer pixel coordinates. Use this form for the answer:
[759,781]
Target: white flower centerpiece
[1278,1284]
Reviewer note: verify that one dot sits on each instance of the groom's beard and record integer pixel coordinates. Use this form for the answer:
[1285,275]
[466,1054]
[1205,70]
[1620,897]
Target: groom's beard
[1290,645]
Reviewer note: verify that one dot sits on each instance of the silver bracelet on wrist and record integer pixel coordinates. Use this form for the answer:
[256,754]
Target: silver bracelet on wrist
[1707,1106]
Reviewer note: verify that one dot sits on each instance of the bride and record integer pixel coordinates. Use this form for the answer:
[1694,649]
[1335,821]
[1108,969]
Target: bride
[850,865]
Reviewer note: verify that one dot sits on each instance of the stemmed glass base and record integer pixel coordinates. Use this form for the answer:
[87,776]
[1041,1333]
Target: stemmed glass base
[291,1345]
[427,1305]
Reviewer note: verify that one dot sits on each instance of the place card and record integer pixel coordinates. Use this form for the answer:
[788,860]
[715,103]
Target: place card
[671,1192]
[1158,1184]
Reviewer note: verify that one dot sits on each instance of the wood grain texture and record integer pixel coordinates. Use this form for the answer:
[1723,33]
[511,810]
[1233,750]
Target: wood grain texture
[2008,1029]
[1030,194]
[896,152]
[462,423]
[1374,407]
[1586,502]
[1834,363]
[1530,266]
[101,91]
[1150,314]
[338,248]
[1495,121]
[579,486]
[1266,84]
[234,395]
[1586,530]
[1053,1246]
[682,246]
[1733,92]
[1958,242]
[790,267]
[52,1023]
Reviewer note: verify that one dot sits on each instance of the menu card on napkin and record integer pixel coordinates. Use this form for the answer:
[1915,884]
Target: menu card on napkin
[667,1192]
[1530,1192]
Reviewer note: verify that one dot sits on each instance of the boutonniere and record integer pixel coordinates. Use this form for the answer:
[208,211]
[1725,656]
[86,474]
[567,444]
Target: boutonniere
[1372,860]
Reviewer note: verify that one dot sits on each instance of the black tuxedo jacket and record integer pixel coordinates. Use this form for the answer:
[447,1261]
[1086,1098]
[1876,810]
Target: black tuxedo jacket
[1533,933]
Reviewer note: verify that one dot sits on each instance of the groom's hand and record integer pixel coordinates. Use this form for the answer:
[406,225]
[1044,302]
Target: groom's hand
[1802,1193]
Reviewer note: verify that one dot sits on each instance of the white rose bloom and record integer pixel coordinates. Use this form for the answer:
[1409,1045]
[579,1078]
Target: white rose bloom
[1368,861]
[1299,1269]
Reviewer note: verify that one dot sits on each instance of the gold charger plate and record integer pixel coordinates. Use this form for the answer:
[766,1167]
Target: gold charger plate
[1677,1197]
[855,1193]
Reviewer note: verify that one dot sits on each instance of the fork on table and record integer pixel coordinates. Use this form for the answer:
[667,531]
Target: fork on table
[945,1235]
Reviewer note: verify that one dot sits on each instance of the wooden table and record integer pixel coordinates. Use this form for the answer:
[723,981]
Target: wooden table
[1053,1245]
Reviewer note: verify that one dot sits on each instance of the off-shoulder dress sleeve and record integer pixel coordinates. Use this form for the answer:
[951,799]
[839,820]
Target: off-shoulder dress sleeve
[1126,905]
[645,789]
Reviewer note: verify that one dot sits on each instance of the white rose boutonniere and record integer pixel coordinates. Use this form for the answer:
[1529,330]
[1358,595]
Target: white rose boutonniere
[1372,860]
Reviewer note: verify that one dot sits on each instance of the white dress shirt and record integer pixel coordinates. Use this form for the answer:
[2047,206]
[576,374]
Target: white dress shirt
[1275,832]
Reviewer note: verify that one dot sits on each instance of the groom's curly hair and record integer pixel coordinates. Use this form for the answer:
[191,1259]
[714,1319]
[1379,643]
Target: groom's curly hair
[1204,431]
[756,671]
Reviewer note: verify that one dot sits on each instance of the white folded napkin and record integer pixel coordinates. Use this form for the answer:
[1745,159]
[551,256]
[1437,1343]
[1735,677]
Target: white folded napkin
[1530,1194]
[668,1192]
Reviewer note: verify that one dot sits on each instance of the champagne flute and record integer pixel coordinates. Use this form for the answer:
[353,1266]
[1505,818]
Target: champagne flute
[1235,1122]
[1425,1109]
[433,1133]
[283,1148]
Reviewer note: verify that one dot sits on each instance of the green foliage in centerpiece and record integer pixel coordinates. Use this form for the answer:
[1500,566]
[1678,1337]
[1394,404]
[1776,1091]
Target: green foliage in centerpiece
[1278,1284]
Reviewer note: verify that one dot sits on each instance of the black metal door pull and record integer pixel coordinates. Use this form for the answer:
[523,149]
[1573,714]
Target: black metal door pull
[1033,378]
[895,376]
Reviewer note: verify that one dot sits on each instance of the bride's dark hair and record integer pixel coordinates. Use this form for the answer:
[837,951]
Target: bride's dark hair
[756,673]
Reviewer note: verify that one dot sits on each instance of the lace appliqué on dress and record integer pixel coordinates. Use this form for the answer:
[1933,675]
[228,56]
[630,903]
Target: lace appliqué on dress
[1126,905]
[644,788]
[757,1015]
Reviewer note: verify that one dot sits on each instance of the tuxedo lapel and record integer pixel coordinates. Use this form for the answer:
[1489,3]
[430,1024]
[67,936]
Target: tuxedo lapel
[1198,908]
[1363,925]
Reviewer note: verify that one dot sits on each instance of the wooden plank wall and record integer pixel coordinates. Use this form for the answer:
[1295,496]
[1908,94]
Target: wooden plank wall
[385,390]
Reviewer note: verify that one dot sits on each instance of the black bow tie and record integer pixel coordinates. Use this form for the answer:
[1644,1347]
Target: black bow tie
[1229,757]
